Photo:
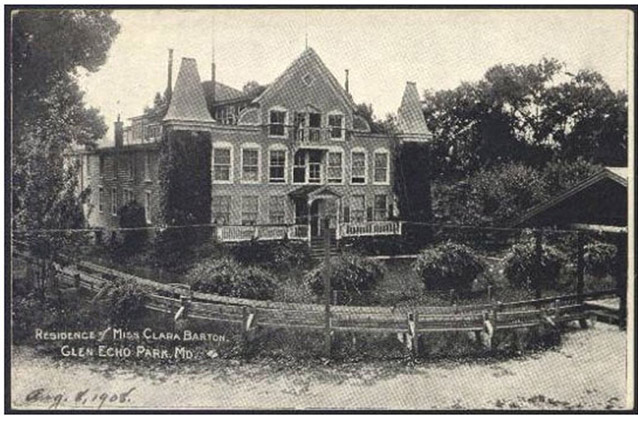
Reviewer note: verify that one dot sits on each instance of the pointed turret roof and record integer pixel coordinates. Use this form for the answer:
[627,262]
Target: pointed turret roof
[410,117]
[188,102]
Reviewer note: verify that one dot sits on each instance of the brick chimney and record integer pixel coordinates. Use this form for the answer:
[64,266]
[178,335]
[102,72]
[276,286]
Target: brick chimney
[119,132]
[169,85]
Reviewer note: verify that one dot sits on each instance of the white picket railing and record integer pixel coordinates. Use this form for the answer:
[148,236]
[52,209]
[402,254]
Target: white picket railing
[371,228]
[302,231]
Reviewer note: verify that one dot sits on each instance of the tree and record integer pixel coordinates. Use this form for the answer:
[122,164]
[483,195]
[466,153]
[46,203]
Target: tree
[387,125]
[519,113]
[50,118]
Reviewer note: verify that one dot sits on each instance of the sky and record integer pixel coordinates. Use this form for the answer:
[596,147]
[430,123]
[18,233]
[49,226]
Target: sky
[437,49]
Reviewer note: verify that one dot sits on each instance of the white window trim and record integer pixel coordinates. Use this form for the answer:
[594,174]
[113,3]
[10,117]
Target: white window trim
[374,165]
[306,169]
[365,174]
[241,209]
[280,147]
[283,197]
[286,120]
[343,125]
[250,146]
[147,167]
[114,204]
[231,171]
[343,165]
[100,202]
[147,206]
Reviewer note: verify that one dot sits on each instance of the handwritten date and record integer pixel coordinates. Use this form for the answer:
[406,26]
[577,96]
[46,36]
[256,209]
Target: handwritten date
[85,397]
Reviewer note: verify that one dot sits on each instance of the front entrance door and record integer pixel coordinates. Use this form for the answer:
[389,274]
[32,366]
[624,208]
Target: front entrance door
[321,209]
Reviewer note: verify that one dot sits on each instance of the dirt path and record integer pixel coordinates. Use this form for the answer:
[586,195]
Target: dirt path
[587,372]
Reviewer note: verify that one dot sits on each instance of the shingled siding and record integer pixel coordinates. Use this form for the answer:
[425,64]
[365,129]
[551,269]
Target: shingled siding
[123,170]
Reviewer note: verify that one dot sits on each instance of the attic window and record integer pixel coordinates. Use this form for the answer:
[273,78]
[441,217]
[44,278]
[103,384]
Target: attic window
[307,79]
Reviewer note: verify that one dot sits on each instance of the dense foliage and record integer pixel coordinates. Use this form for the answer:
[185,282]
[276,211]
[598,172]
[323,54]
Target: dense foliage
[227,277]
[125,299]
[490,196]
[520,113]
[523,268]
[49,116]
[131,216]
[599,258]
[448,266]
[278,256]
[353,275]
[185,195]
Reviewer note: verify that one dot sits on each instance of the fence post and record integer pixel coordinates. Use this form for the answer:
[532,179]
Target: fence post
[580,274]
[452,301]
[413,328]
[327,288]
[538,248]
[248,317]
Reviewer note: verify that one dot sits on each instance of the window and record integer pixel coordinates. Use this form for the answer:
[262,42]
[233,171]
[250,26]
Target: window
[128,196]
[100,199]
[222,164]
[114,201]
[277,123]
[221,209]
[335,122]
[276,209]
[101,166]
[357,208]
[380,207]
[250,165]
[314,127]
[277,169]
[381,167]
[147,206]
[299,168]
[249,210]
[335,167]
[147,167]
[358,168]
[314,167]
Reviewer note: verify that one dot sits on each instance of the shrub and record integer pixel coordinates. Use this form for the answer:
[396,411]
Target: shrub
[599,258]
[277,256]
[125,301]
[522,268]
[448,266]
[351,274]
[489,196]
[227,277]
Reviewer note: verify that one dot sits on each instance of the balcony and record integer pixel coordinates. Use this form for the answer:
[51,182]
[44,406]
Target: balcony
[371,228]
[308,135]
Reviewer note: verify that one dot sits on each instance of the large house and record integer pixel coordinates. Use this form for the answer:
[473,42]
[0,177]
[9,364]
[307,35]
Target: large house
[283,157]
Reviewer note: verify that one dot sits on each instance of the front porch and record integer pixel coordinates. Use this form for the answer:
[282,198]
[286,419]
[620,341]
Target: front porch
[303,231]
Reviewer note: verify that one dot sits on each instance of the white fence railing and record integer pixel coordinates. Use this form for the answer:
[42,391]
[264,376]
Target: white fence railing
[371,228]
[302,231]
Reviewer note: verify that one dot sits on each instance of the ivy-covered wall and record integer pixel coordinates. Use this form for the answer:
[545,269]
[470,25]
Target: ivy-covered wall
[412,188]
[185,177]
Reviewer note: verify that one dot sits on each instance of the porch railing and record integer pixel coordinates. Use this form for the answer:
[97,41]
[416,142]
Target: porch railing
[371,228]
[246,233]
[302,231]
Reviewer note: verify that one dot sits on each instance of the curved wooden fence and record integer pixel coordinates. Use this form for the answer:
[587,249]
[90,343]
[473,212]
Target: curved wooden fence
[409,321]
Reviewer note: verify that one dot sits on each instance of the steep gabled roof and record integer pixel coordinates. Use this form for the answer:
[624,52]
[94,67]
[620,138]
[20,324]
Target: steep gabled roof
[187,100]
[309,56]
[222,92]
[410,117]
[616,174]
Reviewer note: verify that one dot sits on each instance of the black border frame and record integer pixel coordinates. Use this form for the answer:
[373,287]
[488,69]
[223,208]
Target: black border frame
[8,409]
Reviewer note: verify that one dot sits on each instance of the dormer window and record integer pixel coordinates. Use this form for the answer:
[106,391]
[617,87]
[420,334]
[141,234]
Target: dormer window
[335,123]
[277,126]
